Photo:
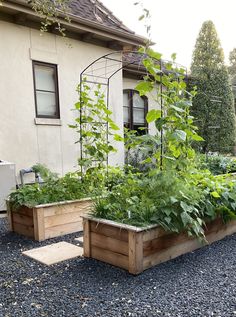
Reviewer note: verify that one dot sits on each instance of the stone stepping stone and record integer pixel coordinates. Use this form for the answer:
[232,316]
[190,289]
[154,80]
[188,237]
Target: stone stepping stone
[54,253]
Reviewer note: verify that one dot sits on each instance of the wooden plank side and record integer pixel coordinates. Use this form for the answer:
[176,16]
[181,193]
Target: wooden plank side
[154,234]
[27,231]
[213,226]
[87,241]
[163,242]
[109,243]
[57,220]
[39,230]
[220,233]
[109,231]
[135,252]
[170,253]
[216,231]
[81,206]
[24,211]
[61,230]
[110,257]
[22,219]
[9,216]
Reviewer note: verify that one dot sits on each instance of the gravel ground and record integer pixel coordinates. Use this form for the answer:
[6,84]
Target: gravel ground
[201,283]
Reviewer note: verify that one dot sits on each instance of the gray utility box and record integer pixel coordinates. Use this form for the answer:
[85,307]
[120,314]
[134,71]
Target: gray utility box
[7,182]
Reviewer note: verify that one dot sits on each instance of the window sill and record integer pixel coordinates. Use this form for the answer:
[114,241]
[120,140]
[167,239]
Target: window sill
[47,121]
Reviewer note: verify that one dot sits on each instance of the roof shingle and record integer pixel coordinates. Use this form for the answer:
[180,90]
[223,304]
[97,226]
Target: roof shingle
[94,10]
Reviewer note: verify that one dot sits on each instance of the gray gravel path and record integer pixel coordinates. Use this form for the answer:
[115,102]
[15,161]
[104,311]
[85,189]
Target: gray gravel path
[201,283]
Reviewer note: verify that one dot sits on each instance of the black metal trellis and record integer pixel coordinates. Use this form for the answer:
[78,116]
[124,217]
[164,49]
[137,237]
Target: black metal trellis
[102,71]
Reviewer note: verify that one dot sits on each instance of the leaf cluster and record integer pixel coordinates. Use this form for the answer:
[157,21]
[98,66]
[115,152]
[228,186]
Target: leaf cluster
[217,164]
[69,187]
[95,127]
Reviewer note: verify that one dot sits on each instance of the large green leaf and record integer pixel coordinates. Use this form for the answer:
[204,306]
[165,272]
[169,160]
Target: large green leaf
[144,87]
[153,115]
[179,135]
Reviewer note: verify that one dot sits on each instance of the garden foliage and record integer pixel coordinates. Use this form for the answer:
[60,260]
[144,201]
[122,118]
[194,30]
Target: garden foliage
[171,190]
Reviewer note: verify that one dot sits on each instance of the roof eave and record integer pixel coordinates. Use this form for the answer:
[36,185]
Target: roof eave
[83,24]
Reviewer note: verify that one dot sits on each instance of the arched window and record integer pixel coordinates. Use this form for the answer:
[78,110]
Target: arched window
[135,109]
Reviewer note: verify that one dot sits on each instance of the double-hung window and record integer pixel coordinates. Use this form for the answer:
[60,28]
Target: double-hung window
[135,108]
[46,90]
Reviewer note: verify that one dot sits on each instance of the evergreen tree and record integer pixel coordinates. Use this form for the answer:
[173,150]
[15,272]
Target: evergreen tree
[213,106]
[232,71]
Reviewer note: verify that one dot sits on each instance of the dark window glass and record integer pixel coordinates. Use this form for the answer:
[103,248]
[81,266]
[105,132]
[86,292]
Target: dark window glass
[135,109]
[46,90]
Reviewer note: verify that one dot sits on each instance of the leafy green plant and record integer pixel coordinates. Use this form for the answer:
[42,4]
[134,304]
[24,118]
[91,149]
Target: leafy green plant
[95,127]
[173,191]
[65,188]
[173,121]
[140,150]
[69,187]
[44,172]
[52,12]
[217,164]
[175,203]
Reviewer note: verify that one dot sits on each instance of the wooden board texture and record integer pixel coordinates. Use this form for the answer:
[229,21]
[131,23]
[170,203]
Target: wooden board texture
[51,220]
[136,251]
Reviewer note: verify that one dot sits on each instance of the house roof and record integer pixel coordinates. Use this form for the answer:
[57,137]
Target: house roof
[94,10]
[89,18]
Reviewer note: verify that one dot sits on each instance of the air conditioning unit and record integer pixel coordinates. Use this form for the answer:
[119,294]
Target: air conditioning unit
[7,182]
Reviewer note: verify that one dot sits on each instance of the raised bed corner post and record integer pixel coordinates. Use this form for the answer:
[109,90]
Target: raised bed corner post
[9,216]
[87,232]
[135,252]
[39,227]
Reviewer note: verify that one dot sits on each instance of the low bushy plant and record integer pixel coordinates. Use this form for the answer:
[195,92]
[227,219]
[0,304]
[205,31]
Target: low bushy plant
[217,164]
[70,187]
[53,190]
[177,202]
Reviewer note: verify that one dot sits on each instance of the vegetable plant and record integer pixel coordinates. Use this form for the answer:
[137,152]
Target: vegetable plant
[167,186]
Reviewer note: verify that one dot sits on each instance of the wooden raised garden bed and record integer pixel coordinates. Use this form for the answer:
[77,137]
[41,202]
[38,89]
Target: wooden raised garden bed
[137,249]
[49,220]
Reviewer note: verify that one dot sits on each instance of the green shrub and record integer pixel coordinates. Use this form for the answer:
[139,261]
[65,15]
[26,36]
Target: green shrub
[65,188]
[175,202]
[69,187]
[217,164]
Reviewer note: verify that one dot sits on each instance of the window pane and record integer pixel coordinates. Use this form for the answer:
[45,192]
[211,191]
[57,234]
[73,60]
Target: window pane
[125,100]
[126,114]
[138,115]
[44,78]
[125,107]
[46,103]
[138,101]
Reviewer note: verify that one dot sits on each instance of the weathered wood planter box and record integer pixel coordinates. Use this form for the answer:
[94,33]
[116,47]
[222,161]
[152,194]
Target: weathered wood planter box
[49,220]
[137,249]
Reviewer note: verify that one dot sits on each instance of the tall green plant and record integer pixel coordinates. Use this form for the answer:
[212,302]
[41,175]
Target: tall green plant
[95,126]
[172,118]
[232,71]
[213,105]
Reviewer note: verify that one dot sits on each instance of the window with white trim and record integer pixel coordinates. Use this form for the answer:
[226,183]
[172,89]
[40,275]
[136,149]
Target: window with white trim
[46,90]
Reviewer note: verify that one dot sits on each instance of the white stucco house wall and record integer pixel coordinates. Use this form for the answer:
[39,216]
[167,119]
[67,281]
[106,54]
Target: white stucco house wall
[38,79]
